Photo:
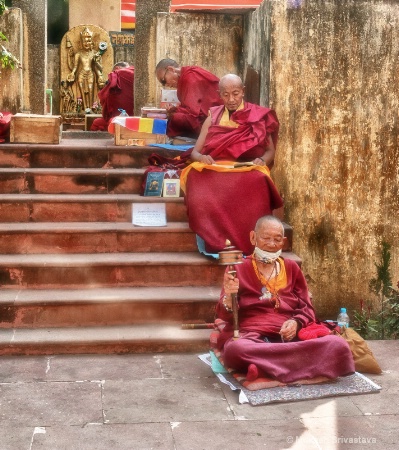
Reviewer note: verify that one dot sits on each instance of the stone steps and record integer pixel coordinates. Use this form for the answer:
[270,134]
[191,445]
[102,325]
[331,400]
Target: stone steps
[76,276]
[94,237]
[146,338]
[70,181]
[78,153]
[56,308]
[76,271]
[82,208]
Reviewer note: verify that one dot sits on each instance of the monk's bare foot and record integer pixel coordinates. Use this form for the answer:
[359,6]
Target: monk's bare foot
[253,373]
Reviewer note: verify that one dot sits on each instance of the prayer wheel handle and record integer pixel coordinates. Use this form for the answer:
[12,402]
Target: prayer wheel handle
[230,256]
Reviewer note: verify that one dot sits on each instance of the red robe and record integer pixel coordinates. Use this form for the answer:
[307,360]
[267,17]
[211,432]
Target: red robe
[117,94]
[197,91]
[5,122]
[328,356]
[227,205]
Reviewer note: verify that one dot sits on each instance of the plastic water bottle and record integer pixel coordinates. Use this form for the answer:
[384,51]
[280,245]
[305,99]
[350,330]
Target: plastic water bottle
[343,318]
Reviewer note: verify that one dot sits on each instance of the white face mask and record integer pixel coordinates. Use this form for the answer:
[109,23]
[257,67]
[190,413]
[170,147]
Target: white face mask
[266,257]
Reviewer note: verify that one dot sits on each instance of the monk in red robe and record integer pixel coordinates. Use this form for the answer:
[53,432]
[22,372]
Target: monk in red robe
[5,121]
[197,91]
[117,94]
[274,311]
[224,201]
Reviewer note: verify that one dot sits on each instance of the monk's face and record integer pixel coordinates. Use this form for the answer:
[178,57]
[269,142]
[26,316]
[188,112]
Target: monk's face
[268,237]
[168,77]
[232,95]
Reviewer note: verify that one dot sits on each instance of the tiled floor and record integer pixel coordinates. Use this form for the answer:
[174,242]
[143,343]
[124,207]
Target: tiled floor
[174,402]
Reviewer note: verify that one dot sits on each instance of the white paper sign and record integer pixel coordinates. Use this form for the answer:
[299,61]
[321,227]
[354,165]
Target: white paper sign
[149,214]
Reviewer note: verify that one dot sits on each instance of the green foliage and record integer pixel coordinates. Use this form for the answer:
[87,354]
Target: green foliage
[7,59]
[383,324]
[3,6]
[390,315]
[366,322]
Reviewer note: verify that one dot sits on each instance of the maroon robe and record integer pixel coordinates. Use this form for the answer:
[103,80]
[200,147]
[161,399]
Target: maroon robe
[117,94]
[227,205]
[328,356]
[197,91]
[5,122]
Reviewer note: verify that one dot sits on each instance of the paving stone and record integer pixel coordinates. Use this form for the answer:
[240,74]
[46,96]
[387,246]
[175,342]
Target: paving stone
[105,437]
[164,400]
[237,435]
[50,403]
[103,367]
[17,369]
[16,438]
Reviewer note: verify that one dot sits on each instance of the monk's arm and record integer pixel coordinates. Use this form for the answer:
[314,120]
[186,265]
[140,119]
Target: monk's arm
[196,154]
[268,156]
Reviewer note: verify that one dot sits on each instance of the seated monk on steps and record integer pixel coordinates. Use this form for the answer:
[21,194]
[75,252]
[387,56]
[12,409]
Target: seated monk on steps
[274,311]
[223,201]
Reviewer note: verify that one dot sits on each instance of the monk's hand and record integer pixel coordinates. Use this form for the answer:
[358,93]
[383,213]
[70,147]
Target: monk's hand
[230,284]
[206,159]
[259,162]
[289,329]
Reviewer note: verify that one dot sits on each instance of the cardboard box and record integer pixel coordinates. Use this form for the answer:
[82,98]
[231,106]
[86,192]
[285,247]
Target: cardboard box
[35,129]
[124,136]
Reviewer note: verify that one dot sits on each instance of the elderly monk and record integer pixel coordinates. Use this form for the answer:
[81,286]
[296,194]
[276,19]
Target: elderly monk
[117,94]
[274,305]
[223,201]
[197,91]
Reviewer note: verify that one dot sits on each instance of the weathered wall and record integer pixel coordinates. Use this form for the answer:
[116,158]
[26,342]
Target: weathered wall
[145,56]
[35,54]
[334,84]
[190,39]
[213,41]
[105,14]
[11,92]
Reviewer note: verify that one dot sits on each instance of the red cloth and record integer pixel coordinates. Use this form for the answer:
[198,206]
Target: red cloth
[328,356]
[5,126]
[246,142]
[313,331]
[197,91]
[117,94]
[227,205]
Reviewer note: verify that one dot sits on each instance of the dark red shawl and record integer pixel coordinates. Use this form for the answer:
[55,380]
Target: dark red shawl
[118,93]
[227,205]
[197,91]
[246,142]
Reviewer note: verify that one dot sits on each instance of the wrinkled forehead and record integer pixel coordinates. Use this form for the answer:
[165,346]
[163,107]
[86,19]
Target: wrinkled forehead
[230,86]
[270,228]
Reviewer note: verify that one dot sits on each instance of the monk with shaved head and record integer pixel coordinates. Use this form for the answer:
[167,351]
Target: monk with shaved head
[197,91]
[229,185]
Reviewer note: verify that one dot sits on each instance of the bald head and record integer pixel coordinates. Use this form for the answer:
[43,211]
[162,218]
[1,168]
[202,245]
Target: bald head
[230,80]
[231,90]
[264,221]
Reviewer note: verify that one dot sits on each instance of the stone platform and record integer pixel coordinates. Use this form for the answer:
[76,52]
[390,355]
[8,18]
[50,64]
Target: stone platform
[175,402]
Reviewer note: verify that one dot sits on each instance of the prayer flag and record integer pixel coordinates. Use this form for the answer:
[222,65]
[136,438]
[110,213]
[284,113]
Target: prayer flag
[128,14]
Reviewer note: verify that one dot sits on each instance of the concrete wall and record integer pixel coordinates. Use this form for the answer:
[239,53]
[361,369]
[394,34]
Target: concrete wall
[334,84]
[212,41]
[105,13]
[35,54]
[11,89]
[145,56]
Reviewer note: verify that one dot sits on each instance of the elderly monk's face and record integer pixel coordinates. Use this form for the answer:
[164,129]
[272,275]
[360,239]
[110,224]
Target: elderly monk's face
[268,237]
[169,76]
[232,95]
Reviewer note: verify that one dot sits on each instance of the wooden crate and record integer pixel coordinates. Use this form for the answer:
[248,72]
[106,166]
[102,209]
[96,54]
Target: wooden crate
[124,136]
[35,129]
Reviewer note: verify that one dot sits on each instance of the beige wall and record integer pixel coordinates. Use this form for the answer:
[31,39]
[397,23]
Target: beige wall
[11,81]
[104,13]
[190,39]
[334,84]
